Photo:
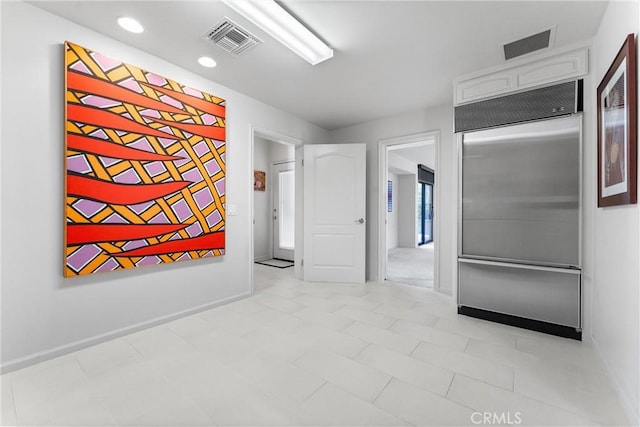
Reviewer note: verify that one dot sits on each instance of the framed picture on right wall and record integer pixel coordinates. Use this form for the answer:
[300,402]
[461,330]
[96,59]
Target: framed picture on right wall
[617,130]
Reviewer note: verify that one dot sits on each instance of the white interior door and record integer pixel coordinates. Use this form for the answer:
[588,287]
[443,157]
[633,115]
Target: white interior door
[334,213]
[283,210]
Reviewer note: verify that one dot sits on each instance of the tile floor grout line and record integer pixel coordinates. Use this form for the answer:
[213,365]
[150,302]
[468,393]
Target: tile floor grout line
[416,347]
[355,356]
[484,382]
[348,325]
[13,400]
[75,357]
[453,377]
[324,382]
[391,325]
[339,308]
[430,363]
[516,346]
[373,401]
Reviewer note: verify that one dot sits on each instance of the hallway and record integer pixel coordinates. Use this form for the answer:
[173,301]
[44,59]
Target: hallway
[411,266]
[301,353]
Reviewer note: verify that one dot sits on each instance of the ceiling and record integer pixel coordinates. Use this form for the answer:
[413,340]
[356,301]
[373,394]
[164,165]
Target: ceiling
[422,154]
[390,57]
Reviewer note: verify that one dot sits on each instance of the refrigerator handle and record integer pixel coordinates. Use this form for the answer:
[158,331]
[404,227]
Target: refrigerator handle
[569,270]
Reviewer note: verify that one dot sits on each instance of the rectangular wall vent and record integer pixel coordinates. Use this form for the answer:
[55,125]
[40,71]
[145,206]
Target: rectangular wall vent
[527,45]
[231,37]
[546,102]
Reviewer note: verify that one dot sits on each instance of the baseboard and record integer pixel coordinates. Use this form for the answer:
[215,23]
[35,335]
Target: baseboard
[629,411]
[23,362]
[521,322]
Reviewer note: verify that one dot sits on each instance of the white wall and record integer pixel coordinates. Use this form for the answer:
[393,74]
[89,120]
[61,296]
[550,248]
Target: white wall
[616,237]
[265,154]
[44,314]
[399,164]
[262,202]
[440,118]
[408,203]
[281,153]
[404,199]
[392,217]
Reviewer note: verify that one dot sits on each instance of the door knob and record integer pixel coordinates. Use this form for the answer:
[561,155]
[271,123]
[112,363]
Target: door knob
[360,221]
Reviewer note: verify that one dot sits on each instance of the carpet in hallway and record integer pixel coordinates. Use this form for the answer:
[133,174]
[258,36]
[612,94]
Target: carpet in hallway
[412,266]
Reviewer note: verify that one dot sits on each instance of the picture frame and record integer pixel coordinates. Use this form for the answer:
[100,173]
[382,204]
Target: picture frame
[389,196]
[144,167]
[259,180]
[617,129]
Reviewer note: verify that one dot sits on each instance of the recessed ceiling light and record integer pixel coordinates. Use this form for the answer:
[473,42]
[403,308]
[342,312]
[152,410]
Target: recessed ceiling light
[205,61]
[130,25]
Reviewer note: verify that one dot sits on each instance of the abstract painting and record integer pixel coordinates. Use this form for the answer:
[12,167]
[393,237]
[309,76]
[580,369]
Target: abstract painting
[259,180]
[144,167]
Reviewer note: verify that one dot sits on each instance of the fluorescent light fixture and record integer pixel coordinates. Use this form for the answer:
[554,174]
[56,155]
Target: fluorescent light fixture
[273,19]
[205,61]
[130,25]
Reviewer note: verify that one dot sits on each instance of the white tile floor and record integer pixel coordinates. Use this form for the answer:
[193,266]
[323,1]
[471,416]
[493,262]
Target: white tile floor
[319,354]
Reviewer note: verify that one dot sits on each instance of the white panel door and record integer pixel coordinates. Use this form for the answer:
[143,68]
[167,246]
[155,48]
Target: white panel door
[334,213]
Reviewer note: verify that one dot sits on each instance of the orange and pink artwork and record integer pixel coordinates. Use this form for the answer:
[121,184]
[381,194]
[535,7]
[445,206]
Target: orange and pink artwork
[144,167]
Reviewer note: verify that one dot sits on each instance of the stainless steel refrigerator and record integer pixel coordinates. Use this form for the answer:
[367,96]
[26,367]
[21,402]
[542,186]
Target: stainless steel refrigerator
[519,258]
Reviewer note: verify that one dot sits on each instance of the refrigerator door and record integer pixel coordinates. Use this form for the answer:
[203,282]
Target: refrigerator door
[545,294]
[521,193]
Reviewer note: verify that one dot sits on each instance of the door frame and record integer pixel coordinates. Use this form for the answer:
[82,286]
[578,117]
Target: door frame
[255,131]
[383,161]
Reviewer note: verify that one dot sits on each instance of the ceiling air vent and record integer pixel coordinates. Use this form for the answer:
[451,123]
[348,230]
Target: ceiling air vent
[231,37]
[528,44]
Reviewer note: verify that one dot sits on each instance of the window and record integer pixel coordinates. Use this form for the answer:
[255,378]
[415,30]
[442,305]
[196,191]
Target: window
[426,179]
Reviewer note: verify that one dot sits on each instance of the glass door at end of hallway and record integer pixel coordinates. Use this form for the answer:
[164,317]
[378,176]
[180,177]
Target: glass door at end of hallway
[284,211]
[425,213]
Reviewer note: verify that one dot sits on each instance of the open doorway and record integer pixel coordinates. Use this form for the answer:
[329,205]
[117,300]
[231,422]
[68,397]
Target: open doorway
[273,202]
[408,166]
